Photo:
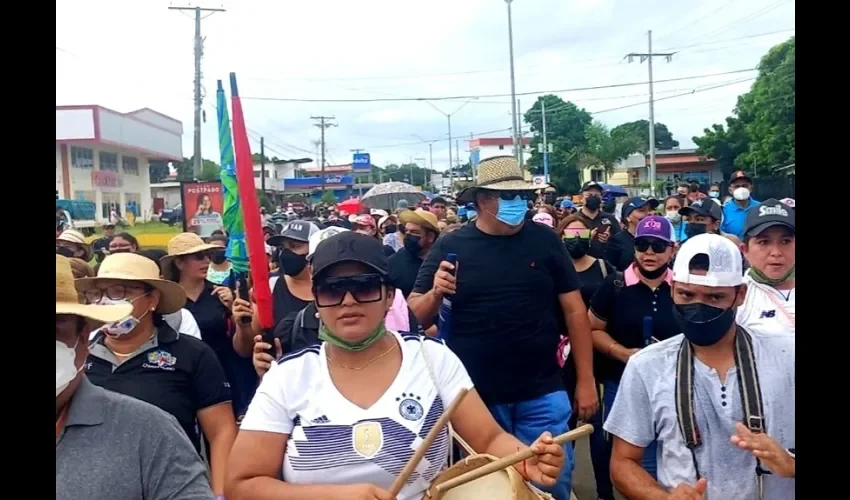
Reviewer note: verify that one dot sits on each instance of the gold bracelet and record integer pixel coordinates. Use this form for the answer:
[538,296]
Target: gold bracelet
[608,352]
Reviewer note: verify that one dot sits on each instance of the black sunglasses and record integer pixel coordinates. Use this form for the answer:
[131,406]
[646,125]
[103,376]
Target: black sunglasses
[510,195]
[657,246]
[365,288]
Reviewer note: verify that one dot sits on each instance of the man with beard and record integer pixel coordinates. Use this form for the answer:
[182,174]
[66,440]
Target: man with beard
[633,309]
[603,224]
[719,397]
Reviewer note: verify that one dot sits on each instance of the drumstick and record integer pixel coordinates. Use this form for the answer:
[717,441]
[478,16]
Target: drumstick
[398,484]
[505,462]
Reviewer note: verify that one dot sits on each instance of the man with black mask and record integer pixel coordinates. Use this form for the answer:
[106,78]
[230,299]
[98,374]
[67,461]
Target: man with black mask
[420,233]
[550,194]
[603,224]
[703,216]
[704,394]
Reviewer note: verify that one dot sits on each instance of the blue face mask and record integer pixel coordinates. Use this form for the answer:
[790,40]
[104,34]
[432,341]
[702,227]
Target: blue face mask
[512,212]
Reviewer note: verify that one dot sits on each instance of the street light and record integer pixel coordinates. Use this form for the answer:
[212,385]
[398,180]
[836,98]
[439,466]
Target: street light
[449,118]
[514,122]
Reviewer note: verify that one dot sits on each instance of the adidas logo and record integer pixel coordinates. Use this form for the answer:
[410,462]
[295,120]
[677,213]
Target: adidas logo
[321,420]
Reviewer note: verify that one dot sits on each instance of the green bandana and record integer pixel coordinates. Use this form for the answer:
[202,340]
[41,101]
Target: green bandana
[762,278]
[330,338]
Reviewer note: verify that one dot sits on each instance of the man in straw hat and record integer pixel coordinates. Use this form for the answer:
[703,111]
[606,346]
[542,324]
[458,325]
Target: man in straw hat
[515,292]
[73,242]
[135,450]
[719,398]
[421,230]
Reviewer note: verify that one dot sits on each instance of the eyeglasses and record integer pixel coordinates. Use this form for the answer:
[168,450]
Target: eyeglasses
[114,292]
[571,234]
[657,246]
[511,195]
[365,288]
[200,256]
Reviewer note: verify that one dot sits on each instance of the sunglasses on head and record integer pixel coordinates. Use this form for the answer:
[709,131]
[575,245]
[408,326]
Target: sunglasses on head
[657,246]
[511,195]
[571,234]
[365,288]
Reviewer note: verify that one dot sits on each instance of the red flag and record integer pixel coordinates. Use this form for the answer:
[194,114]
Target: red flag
[251,212]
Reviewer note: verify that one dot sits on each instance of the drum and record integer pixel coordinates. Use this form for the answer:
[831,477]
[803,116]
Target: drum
[505,484]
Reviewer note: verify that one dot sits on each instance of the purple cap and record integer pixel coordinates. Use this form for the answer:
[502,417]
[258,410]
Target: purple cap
[654,226]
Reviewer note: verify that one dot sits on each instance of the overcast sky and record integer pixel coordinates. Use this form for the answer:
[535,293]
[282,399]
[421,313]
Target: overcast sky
[128,54]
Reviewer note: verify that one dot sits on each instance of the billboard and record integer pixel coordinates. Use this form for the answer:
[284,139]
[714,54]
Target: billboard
[362,162]
[203,203]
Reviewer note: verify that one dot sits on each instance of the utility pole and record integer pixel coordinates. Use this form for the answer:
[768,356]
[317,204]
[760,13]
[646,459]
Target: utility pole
[519,133]
[263,164]
[545,144]
[472,167]
[430,162]
[323,124]
[457,153]
[451,176]
[199,51]
[648,57]
[513,79]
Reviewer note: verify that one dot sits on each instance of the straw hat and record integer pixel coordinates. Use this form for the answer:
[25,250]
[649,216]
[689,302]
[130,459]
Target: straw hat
[499,173]
[68,300]
[133,267]
[180,245]
[74,236]
[420,217]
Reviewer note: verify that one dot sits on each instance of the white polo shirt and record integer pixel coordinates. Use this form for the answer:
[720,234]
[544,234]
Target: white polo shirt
[767,310]
[334,441]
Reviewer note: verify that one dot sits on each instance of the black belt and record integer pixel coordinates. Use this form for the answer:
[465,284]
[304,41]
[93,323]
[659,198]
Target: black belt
[748,381]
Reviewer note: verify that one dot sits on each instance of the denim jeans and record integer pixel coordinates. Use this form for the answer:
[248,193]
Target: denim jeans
[527,420]
[609,392]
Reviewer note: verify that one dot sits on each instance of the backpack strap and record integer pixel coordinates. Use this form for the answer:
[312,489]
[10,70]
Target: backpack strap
[603,268]
[751,398]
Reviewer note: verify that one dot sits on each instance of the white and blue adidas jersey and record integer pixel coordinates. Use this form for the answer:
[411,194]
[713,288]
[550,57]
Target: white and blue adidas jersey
[333,441]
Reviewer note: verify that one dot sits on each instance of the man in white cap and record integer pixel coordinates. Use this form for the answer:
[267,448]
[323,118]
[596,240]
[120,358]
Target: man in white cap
[720,399]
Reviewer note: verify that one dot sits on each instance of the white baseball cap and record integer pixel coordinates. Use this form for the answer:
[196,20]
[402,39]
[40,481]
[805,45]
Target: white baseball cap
[322,235]
[725,263]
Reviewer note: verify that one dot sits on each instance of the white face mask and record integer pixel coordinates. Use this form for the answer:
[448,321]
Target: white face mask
[66,370]
[741,193]
[673,216]
[714,194]
[124,326]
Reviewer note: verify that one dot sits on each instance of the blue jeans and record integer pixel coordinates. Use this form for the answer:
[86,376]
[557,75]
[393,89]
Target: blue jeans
[650,463]
[527,420]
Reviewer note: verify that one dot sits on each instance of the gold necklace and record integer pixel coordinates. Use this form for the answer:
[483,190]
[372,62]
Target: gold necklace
[379,356]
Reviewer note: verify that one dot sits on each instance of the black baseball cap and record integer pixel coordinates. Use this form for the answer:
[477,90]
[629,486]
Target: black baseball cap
[591,185]
[704,208]
[637,202]
[740,174]
[298,230]
[771,212]
[349,246]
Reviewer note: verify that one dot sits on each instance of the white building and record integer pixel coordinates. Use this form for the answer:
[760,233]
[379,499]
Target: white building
[104,156]
[487,147]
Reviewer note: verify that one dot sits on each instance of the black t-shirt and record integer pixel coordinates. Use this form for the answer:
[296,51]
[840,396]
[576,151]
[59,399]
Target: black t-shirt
[623,308]
[212,317]
[505,326]
[404,268]
[601,222]
[620,250]
[180,375]
[284,303]
[592,278]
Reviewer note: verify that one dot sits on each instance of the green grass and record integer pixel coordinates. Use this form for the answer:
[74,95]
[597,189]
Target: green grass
[155,227]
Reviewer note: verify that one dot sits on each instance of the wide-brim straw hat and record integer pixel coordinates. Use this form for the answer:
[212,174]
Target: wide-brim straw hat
[499,173]
[68,300]
[138,268]
[181,245]
[420,217]
[74,236]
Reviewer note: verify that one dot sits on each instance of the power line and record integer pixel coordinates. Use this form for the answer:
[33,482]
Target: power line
[464,97]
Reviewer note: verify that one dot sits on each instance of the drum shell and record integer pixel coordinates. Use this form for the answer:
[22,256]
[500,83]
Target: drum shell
[519,489]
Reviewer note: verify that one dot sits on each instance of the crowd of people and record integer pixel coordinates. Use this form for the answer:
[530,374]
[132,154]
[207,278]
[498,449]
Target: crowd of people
[667,324]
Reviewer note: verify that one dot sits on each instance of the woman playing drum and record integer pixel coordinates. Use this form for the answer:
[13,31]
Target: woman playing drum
[341,419]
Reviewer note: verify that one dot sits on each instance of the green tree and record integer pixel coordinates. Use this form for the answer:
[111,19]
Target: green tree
[760,136]
[184,169]
[210,171]
[158,171]
[566,126]
[604,149]
[639,131]
[257,159]
[328,197]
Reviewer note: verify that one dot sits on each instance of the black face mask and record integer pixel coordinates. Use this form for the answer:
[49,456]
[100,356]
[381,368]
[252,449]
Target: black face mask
[694,229]
[549,199]
[654,274]
[593,203]
[609,206]
[291,262]
[412,244]
[390,228]
[577,247]
[219,257]
[702,324]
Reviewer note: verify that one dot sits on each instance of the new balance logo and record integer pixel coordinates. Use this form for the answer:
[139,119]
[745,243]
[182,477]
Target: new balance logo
[768,314]
[321,420]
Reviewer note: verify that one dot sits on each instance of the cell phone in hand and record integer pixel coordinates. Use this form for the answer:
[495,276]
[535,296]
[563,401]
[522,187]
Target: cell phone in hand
[268,338]
[242,288]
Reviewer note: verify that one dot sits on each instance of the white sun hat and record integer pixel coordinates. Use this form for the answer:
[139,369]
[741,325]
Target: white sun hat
[725,262]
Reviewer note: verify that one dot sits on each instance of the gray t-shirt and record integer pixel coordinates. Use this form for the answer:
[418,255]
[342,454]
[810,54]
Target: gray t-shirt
[114,446]
[645,410]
